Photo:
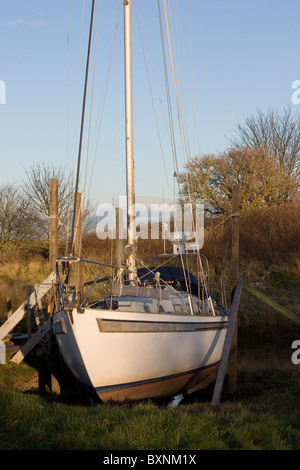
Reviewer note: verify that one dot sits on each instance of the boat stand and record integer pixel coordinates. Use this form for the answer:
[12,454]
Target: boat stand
[227,343]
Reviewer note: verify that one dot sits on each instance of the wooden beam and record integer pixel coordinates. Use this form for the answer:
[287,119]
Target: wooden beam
[273,304]
[32,342]
[227,343]
[235,244]
[235,241]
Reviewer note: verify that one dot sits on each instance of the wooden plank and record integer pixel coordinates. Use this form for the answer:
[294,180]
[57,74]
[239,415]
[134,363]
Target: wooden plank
[32,342]
[227,343]
[272,303]
[17,316]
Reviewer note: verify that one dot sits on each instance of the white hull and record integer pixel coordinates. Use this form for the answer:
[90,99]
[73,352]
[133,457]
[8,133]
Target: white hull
[125,356]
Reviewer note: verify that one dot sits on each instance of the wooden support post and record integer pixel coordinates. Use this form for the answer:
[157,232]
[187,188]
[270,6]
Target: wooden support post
[232,365]
[53,222]
[235,239]
[227,344]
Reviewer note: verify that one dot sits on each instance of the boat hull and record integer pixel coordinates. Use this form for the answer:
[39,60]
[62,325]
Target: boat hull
[129,356]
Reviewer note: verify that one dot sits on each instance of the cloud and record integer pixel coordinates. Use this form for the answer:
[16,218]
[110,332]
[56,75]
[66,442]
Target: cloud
[16,22]
[26,23]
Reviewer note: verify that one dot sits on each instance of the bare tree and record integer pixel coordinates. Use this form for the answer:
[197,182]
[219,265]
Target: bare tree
[14,226]
[278,134]
[36,189]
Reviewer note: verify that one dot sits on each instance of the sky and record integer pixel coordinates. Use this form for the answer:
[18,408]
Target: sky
[232,57]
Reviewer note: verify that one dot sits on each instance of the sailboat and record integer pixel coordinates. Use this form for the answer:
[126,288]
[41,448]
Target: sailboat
[138,333]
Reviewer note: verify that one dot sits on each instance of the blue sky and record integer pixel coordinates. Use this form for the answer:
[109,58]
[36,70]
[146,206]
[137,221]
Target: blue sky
[235,56]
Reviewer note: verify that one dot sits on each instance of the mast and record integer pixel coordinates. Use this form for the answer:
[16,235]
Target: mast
[129,138]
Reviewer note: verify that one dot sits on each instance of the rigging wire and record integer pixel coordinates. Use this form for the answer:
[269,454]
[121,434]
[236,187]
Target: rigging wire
[82,126]
[142,35]
[175,87]
[170,109]
[96,136]
[177,66]
[70,173]
[180,123]
[91,104]
[195,130]
[171,124]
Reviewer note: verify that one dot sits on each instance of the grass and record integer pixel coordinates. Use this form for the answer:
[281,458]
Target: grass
[270,421]
[264,414]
